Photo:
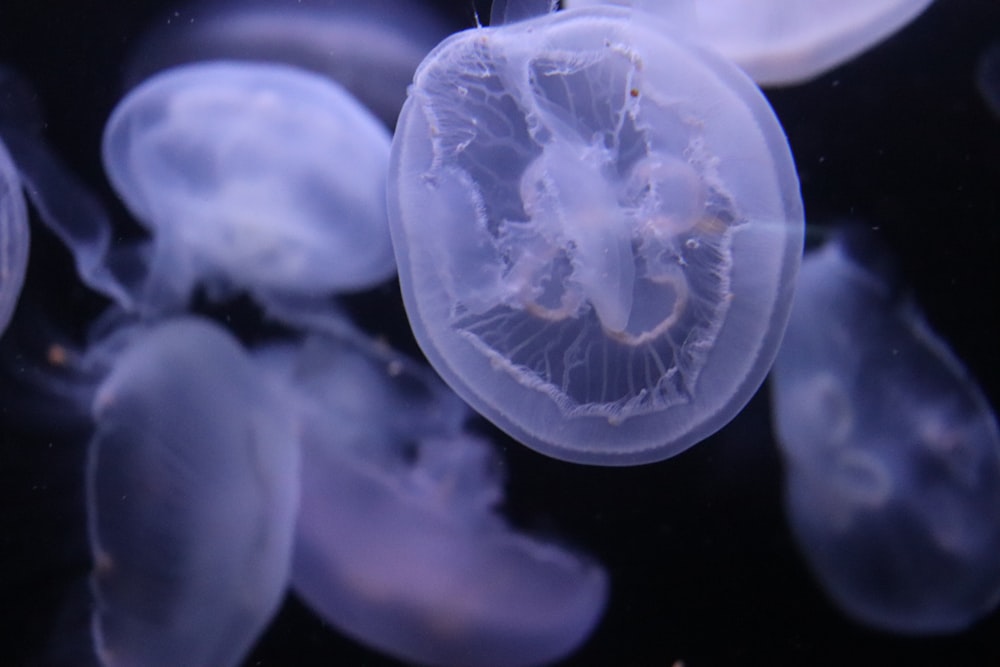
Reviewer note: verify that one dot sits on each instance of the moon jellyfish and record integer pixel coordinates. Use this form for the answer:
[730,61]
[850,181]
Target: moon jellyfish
[252,176]
[891,451]
[399,544]
[192,490]
[13,237]
[371,48]
[783,42]
[597,228]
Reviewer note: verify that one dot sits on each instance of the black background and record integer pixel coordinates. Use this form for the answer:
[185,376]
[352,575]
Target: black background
[702,566]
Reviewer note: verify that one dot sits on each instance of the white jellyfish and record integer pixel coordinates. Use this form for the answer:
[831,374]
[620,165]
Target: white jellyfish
[398,543]
[891,451]
[371,48]
[597,229]
[13,237]
[257,177]
[192,494]
[783,42]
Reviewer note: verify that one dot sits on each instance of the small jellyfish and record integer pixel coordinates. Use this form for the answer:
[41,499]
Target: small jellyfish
[192,492]
[891,451]
[13,237]
[371,48]
[255,177]
[784,42]
[597,228]
[398,543]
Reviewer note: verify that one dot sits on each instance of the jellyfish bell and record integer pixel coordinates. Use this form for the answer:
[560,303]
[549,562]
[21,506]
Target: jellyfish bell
[399,543]
[788,42]
[420,567]
[597,227]
[256,177]
[892,453]
[784,42]
[192,492]
[370,48]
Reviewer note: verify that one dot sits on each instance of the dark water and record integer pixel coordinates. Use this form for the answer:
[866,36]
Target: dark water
[702,566]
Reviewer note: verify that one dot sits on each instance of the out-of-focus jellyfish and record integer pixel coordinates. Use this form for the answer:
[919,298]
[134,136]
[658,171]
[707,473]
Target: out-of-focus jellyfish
[13,237]
[891,452]
[192,491]
[598,230]
[398,543]
[257,177]
[371,48]
[988,77]
[782,42]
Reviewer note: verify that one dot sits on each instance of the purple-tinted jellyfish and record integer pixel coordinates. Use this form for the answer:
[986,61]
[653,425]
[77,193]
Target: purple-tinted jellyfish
[255,177]
[399,543]
[371,48]
[783,42]
[192,492]
[891,451]
[13,237]
[597,229]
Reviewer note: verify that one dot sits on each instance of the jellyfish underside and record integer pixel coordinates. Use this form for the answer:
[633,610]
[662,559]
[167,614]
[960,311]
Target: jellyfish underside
[892,453]
[591,257]
[586,232]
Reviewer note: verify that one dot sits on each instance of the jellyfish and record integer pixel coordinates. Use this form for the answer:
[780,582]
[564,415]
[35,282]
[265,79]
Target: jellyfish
[192,494]
[370,48]
[13,237]
[785,42]
[253,177]
[398,543]
[891,451]
[597,230]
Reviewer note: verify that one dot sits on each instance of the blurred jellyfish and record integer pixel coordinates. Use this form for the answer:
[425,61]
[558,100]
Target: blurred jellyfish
[597,229]
[192,491]
[399,544]
[255,177]
[988,77]
[13,237]
[782,42]
[891,451]
[371,48]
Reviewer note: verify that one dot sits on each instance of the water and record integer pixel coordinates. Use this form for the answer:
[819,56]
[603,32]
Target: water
[703,568]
